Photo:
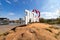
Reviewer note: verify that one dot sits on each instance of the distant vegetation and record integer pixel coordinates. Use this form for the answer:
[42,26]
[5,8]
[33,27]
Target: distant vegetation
[50,21]
[41,20]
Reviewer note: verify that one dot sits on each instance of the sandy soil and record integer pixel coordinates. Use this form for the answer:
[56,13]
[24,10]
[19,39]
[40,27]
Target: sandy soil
[34,31]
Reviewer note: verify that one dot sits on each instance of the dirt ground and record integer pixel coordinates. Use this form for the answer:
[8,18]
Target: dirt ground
[34,31]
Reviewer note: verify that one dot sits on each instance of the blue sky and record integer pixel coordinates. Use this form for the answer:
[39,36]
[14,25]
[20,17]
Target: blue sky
[14,9]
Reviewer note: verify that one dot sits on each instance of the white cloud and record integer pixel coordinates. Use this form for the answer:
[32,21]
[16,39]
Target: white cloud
[8,1]
[11,14]
[52,8]
[51,5]
[49,15]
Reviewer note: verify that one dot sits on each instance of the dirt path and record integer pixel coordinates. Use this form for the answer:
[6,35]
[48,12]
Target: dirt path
[5,28]
[57,25]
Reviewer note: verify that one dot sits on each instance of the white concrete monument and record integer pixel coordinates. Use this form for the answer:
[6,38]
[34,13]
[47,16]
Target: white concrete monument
[31,17]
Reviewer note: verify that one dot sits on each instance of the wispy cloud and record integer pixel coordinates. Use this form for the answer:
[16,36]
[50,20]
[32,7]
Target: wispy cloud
[51,5]
[11,14]
[8,1]
[49,15]
[51,9]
